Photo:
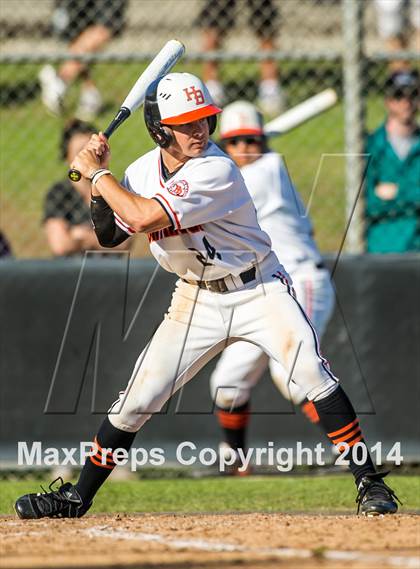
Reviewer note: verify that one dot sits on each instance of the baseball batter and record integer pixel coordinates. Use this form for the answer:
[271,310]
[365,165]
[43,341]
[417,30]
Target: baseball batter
[282,215]
[191,200]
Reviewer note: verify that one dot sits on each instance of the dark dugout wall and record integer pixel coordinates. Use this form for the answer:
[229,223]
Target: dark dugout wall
[71,331]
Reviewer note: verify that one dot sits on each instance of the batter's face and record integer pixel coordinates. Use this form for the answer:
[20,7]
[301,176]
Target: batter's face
[244,149]
[190,139]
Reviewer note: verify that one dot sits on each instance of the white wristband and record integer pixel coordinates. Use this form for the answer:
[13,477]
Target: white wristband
[98,174]
[95,172]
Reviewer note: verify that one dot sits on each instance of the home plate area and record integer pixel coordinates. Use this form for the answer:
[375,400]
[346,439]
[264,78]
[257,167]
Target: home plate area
[249,540]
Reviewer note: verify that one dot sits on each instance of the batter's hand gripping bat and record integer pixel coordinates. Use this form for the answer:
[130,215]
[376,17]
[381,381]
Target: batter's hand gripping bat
[171,52]
[301,113]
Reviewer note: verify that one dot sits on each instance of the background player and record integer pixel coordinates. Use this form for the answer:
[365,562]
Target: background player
[192,201]
[282,215]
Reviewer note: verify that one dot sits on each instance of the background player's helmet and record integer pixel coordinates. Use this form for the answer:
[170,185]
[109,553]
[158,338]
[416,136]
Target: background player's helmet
[177,98]
[241,119]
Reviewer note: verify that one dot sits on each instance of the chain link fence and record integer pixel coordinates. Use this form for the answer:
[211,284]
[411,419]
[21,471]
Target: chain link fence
[62,59]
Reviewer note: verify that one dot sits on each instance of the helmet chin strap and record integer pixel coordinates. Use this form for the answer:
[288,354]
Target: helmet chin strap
[169,136]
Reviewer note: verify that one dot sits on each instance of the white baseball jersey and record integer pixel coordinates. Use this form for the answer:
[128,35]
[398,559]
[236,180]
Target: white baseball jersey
[214,230]
[280,210]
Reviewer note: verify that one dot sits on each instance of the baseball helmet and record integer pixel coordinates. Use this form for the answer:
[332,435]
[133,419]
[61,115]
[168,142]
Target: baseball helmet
[241,118]
[177,98]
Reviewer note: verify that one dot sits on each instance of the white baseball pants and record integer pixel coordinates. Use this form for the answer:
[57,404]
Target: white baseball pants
[241,366]
[199,324]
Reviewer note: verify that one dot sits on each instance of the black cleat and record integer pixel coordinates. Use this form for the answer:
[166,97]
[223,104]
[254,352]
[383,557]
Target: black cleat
[62,503]
[374,497]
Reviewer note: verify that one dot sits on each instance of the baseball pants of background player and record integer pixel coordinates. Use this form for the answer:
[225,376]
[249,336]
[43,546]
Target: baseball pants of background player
[242,365]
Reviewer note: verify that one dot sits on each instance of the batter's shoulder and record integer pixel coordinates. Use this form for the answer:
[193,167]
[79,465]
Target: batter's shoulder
[214,163]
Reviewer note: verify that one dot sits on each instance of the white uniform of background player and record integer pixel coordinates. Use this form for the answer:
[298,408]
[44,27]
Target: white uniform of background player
[192,201]
[282,215]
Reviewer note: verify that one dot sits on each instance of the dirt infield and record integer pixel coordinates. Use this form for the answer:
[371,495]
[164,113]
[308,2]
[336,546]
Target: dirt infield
[170,541]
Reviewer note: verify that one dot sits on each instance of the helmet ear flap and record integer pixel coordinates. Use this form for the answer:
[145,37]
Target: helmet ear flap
[163,136]
[212,120]
[160,134]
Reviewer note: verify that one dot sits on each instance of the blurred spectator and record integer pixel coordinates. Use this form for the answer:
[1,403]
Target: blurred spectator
[393,174]
[393,26]
[67,220]
[88,25]
[217,18]
[5,249]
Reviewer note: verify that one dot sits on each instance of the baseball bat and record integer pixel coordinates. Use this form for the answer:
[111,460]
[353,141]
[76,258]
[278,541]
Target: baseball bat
[301,113]
[171,52]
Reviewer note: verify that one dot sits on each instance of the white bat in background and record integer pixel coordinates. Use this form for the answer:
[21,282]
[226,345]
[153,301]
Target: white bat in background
[301,113]
[171,52]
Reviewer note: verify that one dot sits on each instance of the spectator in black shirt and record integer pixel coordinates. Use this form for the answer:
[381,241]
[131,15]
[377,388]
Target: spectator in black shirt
[5,249]
[66,218]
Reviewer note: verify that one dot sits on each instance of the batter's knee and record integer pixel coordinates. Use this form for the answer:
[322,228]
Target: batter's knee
[131,411]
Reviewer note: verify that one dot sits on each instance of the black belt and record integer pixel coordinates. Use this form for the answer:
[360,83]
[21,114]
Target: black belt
[219,285]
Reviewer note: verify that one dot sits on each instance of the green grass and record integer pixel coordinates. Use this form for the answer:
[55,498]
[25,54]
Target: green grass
[29,140]
[254,494]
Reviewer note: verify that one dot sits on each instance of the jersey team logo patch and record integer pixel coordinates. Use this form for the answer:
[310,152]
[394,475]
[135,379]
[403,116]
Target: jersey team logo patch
[179,188]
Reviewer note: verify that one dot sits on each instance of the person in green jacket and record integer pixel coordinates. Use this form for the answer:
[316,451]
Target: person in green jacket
[392,192]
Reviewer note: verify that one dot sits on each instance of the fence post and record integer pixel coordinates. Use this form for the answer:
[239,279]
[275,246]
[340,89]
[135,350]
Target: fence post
[354,114]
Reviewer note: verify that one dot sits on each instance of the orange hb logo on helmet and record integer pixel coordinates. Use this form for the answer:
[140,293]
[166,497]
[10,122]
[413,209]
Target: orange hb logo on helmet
[182,98]
[196,93]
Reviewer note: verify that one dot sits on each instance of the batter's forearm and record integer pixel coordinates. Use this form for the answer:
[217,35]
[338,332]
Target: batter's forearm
[141,214]
[130,207]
